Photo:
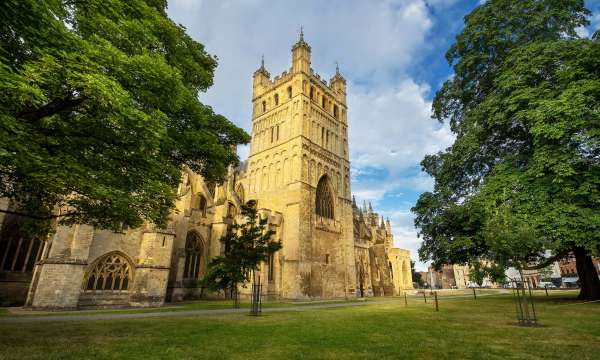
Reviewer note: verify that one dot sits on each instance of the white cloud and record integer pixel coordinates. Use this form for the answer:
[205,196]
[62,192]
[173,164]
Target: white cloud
[441,3]
[371,40]
[583,32]
[392,128]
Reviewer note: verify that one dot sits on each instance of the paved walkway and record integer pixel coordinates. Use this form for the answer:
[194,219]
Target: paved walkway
[206,312]
[182,313]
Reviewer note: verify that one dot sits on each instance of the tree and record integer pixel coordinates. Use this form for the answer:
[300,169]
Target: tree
[545,273]
[523,174]
[246,247]
[99,112]
[416,276]
[477,273]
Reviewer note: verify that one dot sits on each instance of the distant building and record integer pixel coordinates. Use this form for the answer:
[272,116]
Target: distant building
[568,270]
[448,277]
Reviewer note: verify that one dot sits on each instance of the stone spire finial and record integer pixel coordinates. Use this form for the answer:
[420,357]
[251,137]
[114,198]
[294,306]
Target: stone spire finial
[301,41]
[353,202]
[382,225]
[365,205]
[370,207]
[337,76]
[262,70]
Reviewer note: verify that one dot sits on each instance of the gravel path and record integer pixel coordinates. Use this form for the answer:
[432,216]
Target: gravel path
[206,312]
[182,313]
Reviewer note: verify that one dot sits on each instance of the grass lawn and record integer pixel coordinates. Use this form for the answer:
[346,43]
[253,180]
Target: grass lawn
[463,329]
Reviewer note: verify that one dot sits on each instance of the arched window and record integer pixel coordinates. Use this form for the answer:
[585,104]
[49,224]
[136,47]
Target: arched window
[111,272]
[239,190]
[18,252]
[289,92]
[335,111]
[312,92]
[264,106]
[324,199]
[193,255]
[276,97]
[271,267]
[323,101]
[202,205]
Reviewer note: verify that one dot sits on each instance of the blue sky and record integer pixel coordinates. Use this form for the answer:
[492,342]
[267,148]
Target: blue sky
[392,55]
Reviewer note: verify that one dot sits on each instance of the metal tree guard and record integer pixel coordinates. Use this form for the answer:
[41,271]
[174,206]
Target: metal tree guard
[235,296]
[524,305]
[256,305]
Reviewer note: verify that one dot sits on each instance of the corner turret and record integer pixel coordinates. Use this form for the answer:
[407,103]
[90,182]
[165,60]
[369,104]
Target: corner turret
[337,82]
[261,75]
[301,55]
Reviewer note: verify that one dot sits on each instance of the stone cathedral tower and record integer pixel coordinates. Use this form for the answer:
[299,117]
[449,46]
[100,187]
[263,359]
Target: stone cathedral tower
[298,167]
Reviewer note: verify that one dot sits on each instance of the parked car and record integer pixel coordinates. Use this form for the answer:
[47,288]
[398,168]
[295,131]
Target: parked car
[546,284]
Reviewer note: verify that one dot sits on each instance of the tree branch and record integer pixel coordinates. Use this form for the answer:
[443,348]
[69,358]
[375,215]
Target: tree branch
[51,108]
[37,217]
[547,261]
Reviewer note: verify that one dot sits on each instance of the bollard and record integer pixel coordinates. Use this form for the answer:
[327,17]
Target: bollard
[474,294]
[424,297]
[405,300]
[436,302]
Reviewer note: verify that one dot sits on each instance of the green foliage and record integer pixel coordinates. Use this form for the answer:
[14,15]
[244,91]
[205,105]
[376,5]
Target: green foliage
[416,276]
[491,32]
[246,247]
[545,273]
[99,111]
[523,174]
[479,271]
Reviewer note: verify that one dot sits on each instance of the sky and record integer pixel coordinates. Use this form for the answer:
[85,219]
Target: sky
[391,53]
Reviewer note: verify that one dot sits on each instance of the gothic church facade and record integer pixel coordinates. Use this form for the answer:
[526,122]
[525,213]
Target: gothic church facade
[298,171]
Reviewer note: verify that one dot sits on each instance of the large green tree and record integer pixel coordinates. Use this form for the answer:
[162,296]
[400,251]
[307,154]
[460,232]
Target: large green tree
[99,112]
[523,175]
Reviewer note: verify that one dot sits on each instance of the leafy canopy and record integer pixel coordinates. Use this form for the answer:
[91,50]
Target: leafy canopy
[523,173]
[99,111]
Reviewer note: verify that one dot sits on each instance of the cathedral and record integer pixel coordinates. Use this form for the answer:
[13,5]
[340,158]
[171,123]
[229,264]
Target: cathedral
[298,171]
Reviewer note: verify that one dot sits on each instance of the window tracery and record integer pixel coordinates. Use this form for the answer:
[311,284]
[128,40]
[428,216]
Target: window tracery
[193,256]
[324,199]
[112,272]
[18,253]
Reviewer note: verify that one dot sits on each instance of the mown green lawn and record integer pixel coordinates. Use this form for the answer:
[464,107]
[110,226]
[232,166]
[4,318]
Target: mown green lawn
[463,329]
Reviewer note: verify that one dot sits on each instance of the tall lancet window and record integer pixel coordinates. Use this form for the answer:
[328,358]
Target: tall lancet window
[324,200]
[193,255]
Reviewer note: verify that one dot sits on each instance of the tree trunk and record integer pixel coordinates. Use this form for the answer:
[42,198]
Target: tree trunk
[588,277]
